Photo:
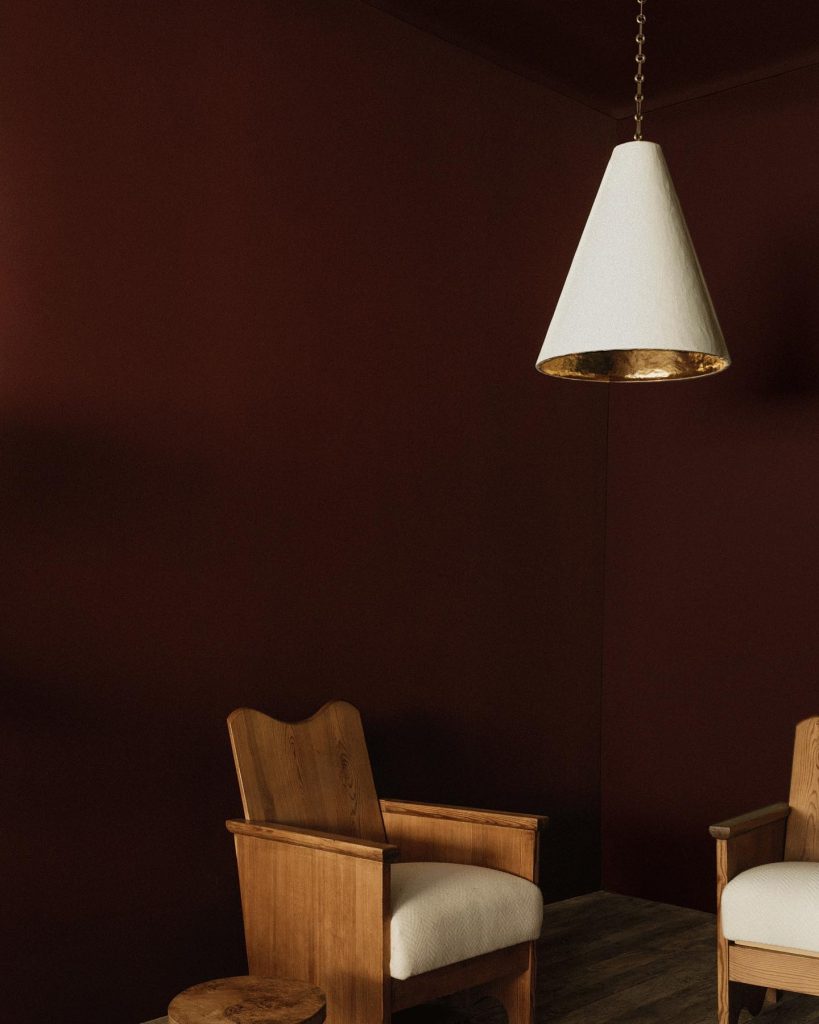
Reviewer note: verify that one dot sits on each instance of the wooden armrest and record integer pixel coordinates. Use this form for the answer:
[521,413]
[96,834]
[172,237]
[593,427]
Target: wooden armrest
[748,822]
[349,846]
[505,819]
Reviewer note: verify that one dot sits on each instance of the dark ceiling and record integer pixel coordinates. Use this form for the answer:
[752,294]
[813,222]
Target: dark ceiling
[585,49]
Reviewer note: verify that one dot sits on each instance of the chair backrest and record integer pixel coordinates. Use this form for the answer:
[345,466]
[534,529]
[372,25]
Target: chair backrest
[802,837]
[315,774]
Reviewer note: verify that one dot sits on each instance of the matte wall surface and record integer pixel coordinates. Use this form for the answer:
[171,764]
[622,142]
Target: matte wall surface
[712,543]
[274,280]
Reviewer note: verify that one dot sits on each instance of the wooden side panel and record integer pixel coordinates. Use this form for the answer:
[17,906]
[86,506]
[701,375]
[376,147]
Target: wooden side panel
[803,824]
[770,969]
[764,845]
[734,827]
[423,988]
[321,918]
[315,774]
[779,949]
[464,842]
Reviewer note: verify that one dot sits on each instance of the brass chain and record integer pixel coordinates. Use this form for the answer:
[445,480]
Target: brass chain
[639,78]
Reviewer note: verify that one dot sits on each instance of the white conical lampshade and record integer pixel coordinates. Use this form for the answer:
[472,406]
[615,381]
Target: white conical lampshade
[635,305]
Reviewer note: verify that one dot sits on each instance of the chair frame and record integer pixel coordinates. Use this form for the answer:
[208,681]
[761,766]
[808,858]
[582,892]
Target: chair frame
[749,975]
[316,905]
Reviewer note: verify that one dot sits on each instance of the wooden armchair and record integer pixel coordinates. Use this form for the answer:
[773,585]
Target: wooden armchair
[322,861]
[768,892]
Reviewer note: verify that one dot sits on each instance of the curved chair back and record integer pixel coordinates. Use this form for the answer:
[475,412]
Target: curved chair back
[802,836]
[315,774]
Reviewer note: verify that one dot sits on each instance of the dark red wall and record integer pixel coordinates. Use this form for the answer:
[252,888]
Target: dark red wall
[274,278]
[712,545]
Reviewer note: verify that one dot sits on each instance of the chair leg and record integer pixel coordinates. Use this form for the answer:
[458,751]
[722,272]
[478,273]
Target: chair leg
[517,993]
[772,997]
[734,996]
[723,985]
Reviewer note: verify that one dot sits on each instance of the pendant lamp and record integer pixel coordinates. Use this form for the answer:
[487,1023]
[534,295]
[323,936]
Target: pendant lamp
[635,306]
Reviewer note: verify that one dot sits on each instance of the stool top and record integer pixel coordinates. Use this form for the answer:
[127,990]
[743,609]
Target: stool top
[249,1000]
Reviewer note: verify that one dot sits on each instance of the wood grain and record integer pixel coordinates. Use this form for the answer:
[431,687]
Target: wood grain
[274,832]
[314,774]
[750,821]
[764,967]
[422,837]
[763,845]
[778,949]
[249,1000]
[516,992]
[723,984]
[321,916]
[802,841]
[478,816]
[423,988]
[607,959]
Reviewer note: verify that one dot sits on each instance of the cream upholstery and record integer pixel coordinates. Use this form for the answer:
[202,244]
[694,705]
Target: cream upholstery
[774,904]
[444,913]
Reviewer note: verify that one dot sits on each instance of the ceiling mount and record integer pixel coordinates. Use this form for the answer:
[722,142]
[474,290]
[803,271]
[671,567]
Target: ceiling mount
[572,48]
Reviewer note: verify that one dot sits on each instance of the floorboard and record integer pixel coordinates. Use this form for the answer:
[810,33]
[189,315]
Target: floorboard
[607,959]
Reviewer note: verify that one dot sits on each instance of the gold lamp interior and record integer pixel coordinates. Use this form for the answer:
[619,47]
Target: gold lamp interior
[633,365]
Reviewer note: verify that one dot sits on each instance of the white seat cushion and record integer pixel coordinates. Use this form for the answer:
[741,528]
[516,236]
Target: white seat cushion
[443,913]
[775,904]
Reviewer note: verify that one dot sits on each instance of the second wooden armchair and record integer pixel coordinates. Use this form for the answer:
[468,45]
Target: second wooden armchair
[768,892]
[383,904]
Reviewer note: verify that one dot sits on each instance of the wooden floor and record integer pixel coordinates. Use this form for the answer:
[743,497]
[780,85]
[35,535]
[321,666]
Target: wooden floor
[606,959]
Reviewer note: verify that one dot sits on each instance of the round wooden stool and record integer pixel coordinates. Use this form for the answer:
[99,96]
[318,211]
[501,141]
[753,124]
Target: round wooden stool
[249,1000]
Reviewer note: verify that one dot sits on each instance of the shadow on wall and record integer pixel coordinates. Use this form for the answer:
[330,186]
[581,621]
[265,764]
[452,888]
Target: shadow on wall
[118,854]
[432,743]
[114,798]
